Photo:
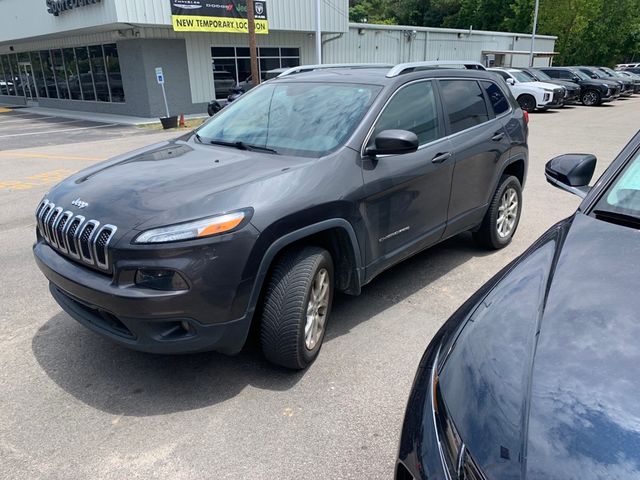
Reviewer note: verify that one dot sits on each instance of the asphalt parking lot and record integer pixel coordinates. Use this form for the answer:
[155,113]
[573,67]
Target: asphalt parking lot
[72,405]
[19,128]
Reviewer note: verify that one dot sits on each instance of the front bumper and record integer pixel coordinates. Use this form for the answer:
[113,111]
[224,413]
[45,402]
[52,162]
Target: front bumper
[552,100]
[211,315]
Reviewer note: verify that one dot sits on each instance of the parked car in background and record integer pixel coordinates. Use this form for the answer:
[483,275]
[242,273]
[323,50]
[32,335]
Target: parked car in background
[635,70]
[572,94]
[247,222]
[624,66]
[596,73]
[593,92]
[530,94]
[536,375]
[247,84]
[633,76]
[630,85]
[223,82]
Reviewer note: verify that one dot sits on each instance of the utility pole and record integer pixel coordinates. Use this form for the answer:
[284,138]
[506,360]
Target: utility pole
[253,48]
[533,36]
[318,32]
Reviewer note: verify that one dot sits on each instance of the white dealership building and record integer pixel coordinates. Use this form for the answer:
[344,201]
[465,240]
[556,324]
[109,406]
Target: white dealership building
[102,55]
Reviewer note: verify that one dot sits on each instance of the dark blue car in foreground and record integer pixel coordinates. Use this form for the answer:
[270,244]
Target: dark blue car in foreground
[537,375]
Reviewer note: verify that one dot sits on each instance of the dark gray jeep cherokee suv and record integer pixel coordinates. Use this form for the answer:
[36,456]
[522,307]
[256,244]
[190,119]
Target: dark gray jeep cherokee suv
[311,183]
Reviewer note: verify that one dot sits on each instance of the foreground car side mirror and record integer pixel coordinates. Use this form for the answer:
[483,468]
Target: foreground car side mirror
[393,142]
[571,172]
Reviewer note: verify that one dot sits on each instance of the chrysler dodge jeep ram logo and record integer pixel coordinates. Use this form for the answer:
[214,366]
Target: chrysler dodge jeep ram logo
[79,203]
[55,7]
[259,8]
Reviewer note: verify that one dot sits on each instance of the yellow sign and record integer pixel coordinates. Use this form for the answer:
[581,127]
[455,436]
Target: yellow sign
[192,23]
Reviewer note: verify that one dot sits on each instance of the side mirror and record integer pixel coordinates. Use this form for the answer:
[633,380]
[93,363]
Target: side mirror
[511,81]
[393,142]
[571,172]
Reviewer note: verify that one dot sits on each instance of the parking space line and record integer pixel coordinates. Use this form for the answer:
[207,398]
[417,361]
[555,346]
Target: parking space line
[58,131]
[10,118]
[50,157]
[37,124]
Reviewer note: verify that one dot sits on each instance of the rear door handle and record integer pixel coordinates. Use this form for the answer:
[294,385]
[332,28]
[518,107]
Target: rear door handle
[497,136]
[441,157]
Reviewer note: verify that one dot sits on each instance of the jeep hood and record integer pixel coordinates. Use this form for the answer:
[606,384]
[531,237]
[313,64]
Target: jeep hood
[171,182]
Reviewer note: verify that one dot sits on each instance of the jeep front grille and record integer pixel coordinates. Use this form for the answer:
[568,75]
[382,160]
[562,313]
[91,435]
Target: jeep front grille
[83,240]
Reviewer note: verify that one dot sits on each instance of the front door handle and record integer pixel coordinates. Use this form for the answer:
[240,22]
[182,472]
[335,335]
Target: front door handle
[441,157]
[497,136]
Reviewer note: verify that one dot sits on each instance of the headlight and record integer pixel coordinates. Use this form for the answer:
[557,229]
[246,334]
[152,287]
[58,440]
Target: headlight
[205,227]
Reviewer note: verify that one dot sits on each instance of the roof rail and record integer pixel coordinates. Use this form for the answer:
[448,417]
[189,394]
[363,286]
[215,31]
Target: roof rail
[326,66]
[413,66]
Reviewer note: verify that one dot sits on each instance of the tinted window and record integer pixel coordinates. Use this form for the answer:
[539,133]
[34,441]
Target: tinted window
[309,119]
[112,61]
[412,108]
[96,57]
[47,70]
[71,68]
[552,73]
[498,101]
[624,195]
[464,104]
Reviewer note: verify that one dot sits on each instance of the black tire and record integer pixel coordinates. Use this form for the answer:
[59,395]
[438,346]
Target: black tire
[527,102]
[591,98]
[488,234]
[284,312]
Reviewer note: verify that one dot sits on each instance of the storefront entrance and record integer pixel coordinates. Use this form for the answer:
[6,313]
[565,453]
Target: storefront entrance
[27,80]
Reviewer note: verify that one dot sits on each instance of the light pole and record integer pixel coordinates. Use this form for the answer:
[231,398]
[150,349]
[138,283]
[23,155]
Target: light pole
[533,35]
[318,33]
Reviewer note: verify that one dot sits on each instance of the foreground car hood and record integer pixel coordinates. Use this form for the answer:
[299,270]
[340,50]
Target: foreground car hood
[584,411]
[171,181]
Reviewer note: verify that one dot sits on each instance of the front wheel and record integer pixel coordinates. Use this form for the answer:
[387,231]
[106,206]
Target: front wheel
[527,103]
[296,307]
[591,98]
[502,218]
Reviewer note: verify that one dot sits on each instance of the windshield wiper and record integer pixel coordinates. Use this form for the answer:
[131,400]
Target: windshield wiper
[243,146]
[624,219]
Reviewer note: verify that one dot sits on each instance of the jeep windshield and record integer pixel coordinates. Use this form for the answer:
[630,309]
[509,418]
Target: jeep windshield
[305,119]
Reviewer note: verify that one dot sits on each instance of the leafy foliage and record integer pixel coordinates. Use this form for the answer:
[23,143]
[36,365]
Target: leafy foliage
[593,32]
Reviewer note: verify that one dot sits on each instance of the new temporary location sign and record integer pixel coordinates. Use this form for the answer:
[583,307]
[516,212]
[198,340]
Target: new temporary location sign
[217,16]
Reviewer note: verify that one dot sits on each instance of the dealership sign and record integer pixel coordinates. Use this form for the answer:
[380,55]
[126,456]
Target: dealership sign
[55,7]
[217,16]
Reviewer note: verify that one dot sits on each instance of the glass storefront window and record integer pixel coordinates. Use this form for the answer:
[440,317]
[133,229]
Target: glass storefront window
[84,71]
[49,77]
[15,75]
[99,73]
[112,62]
[71,69]
[233,64]
[40,84]
[60,74]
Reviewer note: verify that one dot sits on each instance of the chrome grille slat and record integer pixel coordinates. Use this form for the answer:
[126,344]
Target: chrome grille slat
[86,241]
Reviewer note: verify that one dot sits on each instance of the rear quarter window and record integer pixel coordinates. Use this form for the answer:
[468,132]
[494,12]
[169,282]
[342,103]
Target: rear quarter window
[498,101]
[464,103]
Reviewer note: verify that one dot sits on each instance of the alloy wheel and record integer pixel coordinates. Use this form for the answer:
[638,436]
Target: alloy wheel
[507,213]
[317,309]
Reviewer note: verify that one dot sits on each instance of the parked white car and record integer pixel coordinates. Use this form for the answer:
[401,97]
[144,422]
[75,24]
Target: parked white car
[531,95]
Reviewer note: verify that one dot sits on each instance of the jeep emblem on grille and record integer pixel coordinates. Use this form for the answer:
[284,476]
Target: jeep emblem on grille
[79,203]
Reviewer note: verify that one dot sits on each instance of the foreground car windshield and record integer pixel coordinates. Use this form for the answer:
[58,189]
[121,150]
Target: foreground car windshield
[307,119]
[623,197]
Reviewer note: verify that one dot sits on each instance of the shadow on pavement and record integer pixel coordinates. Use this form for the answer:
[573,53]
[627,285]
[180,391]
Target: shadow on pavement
[118,381]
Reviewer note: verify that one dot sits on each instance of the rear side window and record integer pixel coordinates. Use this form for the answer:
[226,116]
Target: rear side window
[498,101]
[413,108]
[464,104]
[564,74]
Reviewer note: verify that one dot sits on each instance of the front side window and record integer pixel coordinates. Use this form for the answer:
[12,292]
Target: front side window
[623,196]
[498,101]
[306,119]
[412,108]
[464,104]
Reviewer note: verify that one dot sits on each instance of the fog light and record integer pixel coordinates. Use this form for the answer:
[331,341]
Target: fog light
[161,280]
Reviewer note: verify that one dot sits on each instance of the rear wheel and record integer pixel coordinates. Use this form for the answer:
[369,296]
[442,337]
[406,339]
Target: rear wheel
[527,102]
[502,218]
[590,98]
[296,307]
